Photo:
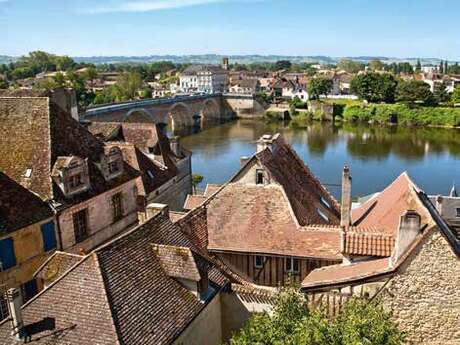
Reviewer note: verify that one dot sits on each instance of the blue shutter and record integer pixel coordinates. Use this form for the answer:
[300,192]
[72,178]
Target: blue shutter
[7,257]
[49,236]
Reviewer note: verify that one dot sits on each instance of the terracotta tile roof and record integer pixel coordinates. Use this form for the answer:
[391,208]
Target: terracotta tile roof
[194,201]
[211,189]
[178,262]
[373,244]
[341,274]
[19,207]
[385,209]
[301,186]
[36,132]
[258,219]
[116,303]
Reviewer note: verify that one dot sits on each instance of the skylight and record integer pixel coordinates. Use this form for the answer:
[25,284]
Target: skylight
[28,173]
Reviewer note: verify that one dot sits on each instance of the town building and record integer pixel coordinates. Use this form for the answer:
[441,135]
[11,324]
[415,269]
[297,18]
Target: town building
[91,188]
[436,79]
[164,166]
[399,250]
[151,285]
[245,86]
[27,237]
[287,89]
[203,79]
[273,222]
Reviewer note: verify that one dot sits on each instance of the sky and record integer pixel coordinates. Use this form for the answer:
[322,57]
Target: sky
[393,28]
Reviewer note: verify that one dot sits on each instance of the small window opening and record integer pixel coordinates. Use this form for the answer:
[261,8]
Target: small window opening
[259,261]
[259,177]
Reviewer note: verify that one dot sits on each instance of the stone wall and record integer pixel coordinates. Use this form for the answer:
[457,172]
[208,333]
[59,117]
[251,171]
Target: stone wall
[425,295]
[206,328]
[100,221]
[29,252]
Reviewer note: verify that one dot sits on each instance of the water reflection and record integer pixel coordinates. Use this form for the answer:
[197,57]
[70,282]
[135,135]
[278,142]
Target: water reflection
[377,154]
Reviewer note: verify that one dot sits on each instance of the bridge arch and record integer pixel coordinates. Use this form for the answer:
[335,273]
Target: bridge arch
[210,110]
[138,115]
[179,115]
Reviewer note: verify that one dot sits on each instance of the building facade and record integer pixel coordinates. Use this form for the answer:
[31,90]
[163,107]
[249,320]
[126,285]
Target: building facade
[203,79]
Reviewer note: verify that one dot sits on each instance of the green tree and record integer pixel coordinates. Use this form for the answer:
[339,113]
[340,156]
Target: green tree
[292,323]
[146,93]
[414,91]
[418,66]
[440,93]
[59,79]
[374,87]
[127,86]
[283,65]
[376,65]
[3,83]
[319,86]
[456,95]
[196,180]
[350,66]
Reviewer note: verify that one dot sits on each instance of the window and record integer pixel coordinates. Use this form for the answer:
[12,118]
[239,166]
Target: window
[4,313]
[259,176]
[29,290]
[7,255]
[75,181]
[28,173]
[325,202]
[116,207]
[49,237]
[113,167]
[80,225]
[458,212]
[292,265]
[259,261]
[322,214]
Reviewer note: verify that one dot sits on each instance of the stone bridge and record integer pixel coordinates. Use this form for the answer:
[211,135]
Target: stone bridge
[177,112]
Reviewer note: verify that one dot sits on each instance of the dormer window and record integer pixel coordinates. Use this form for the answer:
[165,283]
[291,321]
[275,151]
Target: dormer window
[113,167]
[71,175]
[111,163]
[75,181]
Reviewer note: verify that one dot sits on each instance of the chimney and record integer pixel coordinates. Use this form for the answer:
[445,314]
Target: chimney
[345,211]
[439,200]
[14,302]
[175,146]
[244,160]
[154,209]
[265,141]
[409,228]
[66,100]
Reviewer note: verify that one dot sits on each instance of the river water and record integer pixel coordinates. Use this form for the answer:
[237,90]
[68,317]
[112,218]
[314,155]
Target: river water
[376,155]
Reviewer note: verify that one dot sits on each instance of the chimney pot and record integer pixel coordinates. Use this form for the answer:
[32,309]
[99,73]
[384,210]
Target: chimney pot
[345,212]
[14,299]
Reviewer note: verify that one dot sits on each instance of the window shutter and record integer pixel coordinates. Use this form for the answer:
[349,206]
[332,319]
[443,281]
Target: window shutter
[7,256]
[49,236]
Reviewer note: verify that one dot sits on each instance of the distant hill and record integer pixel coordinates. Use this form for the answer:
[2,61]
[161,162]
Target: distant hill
[215,59]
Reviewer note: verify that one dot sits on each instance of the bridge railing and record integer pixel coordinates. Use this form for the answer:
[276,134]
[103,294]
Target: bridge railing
[105,108]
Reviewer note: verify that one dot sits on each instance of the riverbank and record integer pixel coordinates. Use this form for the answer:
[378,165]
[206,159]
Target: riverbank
[357,111]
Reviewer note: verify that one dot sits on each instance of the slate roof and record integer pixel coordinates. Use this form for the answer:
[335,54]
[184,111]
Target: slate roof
[178,262]
[195,69]
[37,130]
[19,207]
[124,294]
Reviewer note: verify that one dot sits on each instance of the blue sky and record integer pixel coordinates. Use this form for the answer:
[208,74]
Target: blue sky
[399,28]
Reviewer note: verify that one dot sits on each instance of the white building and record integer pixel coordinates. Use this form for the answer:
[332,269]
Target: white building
[203,79]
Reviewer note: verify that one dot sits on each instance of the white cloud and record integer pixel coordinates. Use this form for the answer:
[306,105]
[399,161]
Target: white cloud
[152,5]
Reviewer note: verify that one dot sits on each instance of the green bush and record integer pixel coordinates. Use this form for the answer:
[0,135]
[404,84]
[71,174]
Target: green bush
[403,114]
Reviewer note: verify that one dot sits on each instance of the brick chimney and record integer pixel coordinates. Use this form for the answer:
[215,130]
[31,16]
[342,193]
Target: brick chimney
[266,141]
[409,228]
[175,146]
[345,210]
[14,299]
[154,209]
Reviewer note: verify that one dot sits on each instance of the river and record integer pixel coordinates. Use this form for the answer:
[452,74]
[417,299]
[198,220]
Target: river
[376,155]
